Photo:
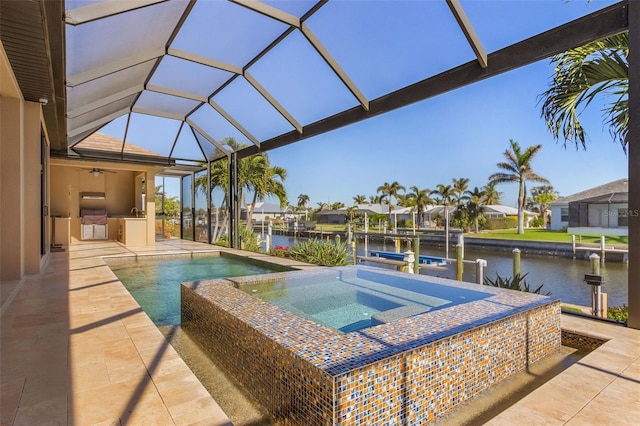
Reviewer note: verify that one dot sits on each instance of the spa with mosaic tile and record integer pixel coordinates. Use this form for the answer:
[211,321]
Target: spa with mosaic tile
[424,344]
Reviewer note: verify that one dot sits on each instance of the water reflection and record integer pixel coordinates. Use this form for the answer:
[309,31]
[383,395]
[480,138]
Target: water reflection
[562,277]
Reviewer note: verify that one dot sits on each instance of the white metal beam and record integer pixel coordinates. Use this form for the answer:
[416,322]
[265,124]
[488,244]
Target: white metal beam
[95,124]
[157,113]
[94,11]
[178,93]
[256,85]
[206,136]
[469,32]
[113,67]
[105,101]
[234,123]
[337,69]
[269,11]
[203,60]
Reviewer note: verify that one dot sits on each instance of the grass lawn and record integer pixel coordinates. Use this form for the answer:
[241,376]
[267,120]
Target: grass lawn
[546,235]
[509,234]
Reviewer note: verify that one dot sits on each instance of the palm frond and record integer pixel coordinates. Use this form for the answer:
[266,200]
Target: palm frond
[581,75]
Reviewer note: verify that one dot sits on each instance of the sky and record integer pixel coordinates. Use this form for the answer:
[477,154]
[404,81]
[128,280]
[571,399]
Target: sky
[460,134]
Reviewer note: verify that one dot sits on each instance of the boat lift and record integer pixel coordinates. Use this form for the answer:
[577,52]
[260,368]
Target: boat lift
[423,260]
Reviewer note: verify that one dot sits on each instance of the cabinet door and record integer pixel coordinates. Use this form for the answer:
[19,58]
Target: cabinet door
[87,232]
[99,232]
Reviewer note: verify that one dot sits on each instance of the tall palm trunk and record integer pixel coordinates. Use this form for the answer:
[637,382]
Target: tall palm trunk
[253,206]
[521,207]
[214,234]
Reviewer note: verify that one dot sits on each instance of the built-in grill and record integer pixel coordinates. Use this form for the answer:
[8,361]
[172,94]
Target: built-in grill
[94,224]
[93,217]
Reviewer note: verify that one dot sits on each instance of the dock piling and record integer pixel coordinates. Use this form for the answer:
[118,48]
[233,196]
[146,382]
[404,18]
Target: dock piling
[516,261]
[416,250]
[480,265]
[459,263]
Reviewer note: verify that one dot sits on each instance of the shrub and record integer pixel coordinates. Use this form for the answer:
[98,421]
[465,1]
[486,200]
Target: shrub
[516,282]
[250,240]
[170,230]
[501,223]
[618,313]
[461,219]
[318,252]
[223,240]
[537,222]
[280,251]
[438,219]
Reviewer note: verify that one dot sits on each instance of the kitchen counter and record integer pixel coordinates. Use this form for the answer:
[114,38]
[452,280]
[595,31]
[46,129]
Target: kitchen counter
[132,231]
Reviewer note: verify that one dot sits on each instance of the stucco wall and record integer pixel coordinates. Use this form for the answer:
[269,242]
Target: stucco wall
[556,214]
[20,205]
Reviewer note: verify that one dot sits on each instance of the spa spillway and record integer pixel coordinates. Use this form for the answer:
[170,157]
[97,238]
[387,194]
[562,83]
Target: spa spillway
[359,345]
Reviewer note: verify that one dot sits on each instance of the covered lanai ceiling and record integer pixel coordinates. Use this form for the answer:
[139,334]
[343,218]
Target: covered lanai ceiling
[266,73]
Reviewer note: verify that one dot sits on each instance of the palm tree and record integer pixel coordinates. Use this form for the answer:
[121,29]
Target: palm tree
[390,190]
[491,195]
[420,199]
[541,197]
[219,171]
[384,190]
[459,188]
[263,180]
[375,199]
[337,205]
[255,174]
[359,199]
[474,205]
[303,204]
[404,201]
[322,206]
[517,168]
[582,74]
[445,195]
[352,212]
[395,188]
[303,200]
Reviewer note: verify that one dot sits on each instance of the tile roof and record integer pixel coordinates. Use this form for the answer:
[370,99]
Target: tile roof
[105,143]
[600,193]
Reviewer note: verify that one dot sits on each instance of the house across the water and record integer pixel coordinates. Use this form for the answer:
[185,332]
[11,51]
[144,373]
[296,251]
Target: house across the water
[603,210]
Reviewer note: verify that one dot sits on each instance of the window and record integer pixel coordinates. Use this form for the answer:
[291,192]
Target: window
[623,217]
[564,214]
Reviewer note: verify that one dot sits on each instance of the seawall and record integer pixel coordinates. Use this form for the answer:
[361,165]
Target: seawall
[437,239]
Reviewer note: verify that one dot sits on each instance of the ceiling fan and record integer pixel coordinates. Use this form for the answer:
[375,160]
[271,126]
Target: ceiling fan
[97,172]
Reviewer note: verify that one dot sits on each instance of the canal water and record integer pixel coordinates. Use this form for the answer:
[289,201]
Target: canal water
[562,277]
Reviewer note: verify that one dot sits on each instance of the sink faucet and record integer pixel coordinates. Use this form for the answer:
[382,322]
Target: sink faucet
[134,211]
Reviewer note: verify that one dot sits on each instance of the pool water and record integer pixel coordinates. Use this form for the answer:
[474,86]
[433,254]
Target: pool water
[350,300]
[155,282]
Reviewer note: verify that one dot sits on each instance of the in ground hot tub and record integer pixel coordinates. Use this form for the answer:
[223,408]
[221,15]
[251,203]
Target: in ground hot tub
[361,345]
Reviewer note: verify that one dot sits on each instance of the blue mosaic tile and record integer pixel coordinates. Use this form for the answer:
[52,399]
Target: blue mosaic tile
[310,374]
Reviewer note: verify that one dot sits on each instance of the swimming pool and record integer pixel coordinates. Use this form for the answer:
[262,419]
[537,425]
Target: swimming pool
[410,369]
[154,281]
[350,300]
